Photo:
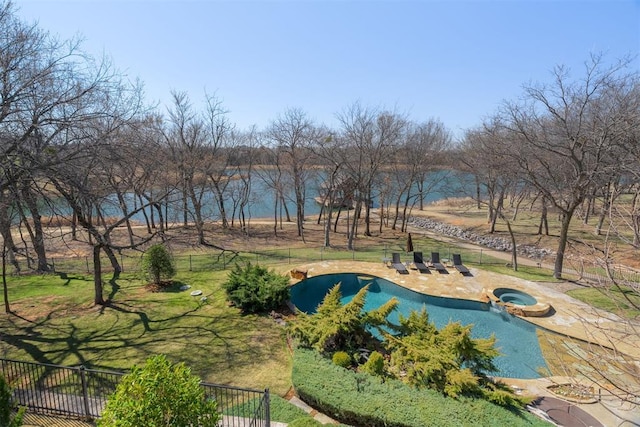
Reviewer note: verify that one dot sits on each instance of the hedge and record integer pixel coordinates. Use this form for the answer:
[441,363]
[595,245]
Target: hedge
[361,399]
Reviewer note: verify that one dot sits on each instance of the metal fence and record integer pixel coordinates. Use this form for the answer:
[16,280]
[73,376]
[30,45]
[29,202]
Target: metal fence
[222,260]
[80,392]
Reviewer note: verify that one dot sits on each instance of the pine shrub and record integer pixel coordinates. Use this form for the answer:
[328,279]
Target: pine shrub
[341,358]
[255,289]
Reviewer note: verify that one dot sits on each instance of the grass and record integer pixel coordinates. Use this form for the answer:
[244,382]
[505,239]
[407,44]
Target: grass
[622,301]
[54,321]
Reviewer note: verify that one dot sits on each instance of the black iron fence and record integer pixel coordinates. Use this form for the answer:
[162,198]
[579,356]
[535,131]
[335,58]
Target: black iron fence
[79,392]
[222,260]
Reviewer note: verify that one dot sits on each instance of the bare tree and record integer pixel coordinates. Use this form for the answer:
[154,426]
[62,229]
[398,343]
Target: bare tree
[292,133]
[484,155]
[562,137]
[330,151]
[222,141]
[372,137]
[416,167]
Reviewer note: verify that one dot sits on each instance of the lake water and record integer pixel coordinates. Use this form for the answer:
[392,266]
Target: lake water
[443,184]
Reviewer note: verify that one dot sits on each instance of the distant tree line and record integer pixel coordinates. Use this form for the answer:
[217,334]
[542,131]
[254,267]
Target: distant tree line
[79,142]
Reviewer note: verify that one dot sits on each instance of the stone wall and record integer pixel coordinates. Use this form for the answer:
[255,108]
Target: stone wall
[491,242]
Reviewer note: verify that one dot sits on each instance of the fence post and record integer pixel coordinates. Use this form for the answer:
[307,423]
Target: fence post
[85,391]
[267,412]
[190,266]
[480,256]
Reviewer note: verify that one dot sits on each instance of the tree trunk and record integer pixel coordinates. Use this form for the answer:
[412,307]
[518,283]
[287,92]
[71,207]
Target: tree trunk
[544,222]
[587,210]
[37,238]
[117,268]
[351,228]
[221,206]
[7,237]
[7,307]
[562,243]
[335,223]
[275,217]
[125,213]
[635,220]
[514,248]
[396,214]
[148,221]
[97,277]
[367,214]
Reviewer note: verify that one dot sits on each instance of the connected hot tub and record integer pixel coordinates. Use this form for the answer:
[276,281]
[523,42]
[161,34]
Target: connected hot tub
[514,296]
[516,302]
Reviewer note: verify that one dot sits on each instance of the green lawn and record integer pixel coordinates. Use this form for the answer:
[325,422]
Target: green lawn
[54,321]
[624,302]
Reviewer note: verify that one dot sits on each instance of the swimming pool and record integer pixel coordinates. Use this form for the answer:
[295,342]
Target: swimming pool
[516,338]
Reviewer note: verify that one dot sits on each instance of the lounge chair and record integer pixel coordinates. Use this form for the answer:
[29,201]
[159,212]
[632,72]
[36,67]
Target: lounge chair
[418,261]
[457,263]
[397,264]
[435,262]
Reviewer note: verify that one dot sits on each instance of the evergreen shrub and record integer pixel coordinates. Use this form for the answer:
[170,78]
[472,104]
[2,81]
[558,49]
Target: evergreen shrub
[341,358]
[361,399]
[255,289]
[374,365]
[159,394]
[8,416]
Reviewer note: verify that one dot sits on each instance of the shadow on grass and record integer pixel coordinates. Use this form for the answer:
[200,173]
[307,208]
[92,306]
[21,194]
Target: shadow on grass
[68,278]
[208,336]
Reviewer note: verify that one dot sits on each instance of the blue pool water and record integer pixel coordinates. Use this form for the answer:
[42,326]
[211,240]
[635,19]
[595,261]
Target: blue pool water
[516,338]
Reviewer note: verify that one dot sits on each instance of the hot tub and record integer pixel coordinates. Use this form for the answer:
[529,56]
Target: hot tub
[514,296]
[516,302]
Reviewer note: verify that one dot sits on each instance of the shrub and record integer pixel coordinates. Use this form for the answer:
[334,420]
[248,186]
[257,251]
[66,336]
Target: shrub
[360,399]
[337,326]
[7,407]
[159,394]
[158,264]
[374,365]
[255,289]
[448,360]
[342,358]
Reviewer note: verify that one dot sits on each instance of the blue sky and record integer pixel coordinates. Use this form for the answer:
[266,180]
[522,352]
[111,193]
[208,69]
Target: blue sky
[451,60]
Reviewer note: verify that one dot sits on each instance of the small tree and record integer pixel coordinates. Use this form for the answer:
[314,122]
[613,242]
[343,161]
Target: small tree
[7,406]
[255,289]
[158,264]
[159,394]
